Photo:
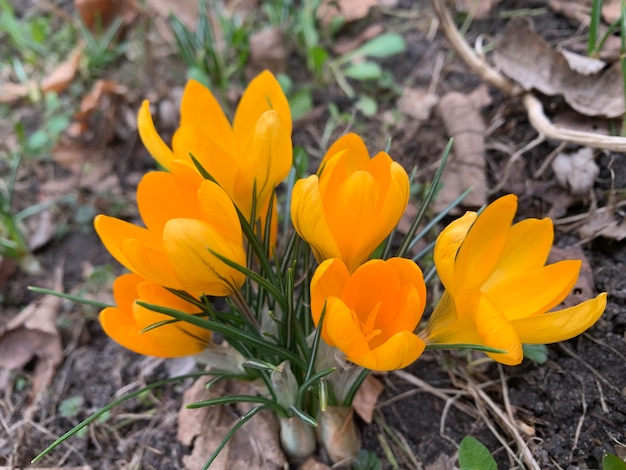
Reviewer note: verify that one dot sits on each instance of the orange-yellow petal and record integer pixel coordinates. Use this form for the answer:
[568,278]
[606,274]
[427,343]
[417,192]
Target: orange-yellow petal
[342,330]
[498,333]
[562,324]
[200,110]
[535,292]
[150,262]
[447,246]
[328,281]
[262,94]
[398,352]
[151,138]
[189,244]
[309,220]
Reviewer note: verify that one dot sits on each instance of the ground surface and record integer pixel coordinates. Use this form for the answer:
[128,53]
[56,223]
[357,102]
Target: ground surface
[569,411]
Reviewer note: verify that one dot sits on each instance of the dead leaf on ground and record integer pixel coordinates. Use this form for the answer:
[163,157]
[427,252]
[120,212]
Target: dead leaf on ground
[99,15]
[269,50]
[466,164]
[611,10]
[417,103]
[366,398]
[585,287]
[96,98]
[255,446]
[572,9]
[526,58]
[603,223]
[58,80]
[312,464]
[348,10]
[33,333]
[576,171]
[477,9]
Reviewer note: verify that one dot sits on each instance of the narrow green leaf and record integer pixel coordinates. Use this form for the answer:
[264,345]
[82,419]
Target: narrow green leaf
[363,71]
[303,416]
[475,347]
[613,462]
[385,45]
[73,298]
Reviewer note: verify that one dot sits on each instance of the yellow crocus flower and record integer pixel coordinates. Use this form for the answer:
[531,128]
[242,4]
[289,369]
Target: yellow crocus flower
[370,314]
[125,322]
[254,153]
[499,290]
[354,202]
[187,218]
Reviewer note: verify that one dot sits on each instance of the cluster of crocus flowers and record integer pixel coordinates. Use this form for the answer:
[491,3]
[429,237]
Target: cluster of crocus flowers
[499,290]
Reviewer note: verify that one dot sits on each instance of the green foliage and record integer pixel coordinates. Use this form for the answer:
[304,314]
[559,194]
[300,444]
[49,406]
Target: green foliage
[536,352]
[212,58]
[366,460]
[473,455]
[613,462]
[70,407]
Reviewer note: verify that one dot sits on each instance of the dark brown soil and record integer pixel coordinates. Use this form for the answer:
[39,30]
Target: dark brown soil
[572,408]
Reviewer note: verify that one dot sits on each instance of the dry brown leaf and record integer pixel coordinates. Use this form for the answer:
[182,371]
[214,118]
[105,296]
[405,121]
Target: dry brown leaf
[254,446]
[585,287]
[466,164]
[34,333]
[603,223]
[575,10]
[268,50]
[58,80]
[417,103]
[98,15]
[91,102]
[611,10]
[41,230]
[343,46]
[530,61]
[478,9]
[185,10]
[576,171]
[366,398]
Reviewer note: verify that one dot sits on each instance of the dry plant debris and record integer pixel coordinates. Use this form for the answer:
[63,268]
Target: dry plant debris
[525,57]
[576,171]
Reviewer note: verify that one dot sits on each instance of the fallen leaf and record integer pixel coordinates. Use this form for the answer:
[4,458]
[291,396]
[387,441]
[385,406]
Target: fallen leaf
[58,80]
[269,50]
[585,287]
[526,58]
[603,223]
[576,171]
[466,164]
[312,464]
[348,10]
[477,9]
[417,103]
[366,398]
[99,15]
[572,9]
[33,333]
[41,230]
[254,446]
[611,10]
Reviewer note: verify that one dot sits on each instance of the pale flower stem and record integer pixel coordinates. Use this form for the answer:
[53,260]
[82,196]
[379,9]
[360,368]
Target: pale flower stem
[244,308]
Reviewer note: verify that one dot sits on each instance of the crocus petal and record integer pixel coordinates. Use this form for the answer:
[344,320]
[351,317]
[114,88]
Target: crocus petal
[342,330]
[188,244]
[498,333]
[353,144]
[309,220]
[200,110]
[328,281]
[265,162]
[398,352]
[151,138]
[562,324]
[447,246]
[150,262]
[262,94]
[535,291]
[113,232]
[218,211]
[483,244]
[527,248]
[162,196]
[125,322]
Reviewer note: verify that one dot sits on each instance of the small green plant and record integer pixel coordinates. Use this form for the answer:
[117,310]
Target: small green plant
[613,462]
[473,455]
[212,57]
